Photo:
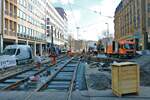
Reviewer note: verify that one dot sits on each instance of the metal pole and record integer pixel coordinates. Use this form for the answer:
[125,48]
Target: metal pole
[107,29]
[107,36]
[2,24]
[144,25]
[52,39]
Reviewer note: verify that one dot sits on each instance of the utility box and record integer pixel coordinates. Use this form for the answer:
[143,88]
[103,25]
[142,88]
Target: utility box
[125,78]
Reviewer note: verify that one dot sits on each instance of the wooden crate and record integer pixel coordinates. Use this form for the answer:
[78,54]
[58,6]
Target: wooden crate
[125,78]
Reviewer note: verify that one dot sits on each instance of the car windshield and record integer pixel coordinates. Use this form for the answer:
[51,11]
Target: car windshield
[129,46]
[9,51]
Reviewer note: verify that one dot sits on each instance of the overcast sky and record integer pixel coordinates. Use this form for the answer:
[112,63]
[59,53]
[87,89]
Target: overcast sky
[84,13]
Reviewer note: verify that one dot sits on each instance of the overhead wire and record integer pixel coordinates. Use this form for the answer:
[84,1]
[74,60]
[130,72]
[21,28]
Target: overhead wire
[89,10]
[73,15]
[93,11]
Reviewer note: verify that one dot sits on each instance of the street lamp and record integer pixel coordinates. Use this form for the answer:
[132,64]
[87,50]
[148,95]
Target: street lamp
[77,32]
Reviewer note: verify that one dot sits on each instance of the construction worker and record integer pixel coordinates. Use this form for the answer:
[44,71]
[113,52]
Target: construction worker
[53,55]
[69,53]
[38,60]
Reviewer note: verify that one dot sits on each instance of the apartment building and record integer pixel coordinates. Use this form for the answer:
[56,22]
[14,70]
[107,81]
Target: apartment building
[132,22]
[26,22]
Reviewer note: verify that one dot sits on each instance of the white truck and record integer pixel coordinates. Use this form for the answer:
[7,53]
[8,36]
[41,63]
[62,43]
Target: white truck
[15,54]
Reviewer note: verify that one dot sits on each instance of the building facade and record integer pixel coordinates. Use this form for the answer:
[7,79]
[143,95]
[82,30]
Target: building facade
[8,22]
[132,22]
[27,21]
[55,26]
[63,14]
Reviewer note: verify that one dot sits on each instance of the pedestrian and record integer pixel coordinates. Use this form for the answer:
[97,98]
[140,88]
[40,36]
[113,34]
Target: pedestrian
[38,60]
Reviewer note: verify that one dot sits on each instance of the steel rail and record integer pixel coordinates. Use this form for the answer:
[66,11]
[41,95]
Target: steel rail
[50,78]
[72,82]
[14,85]
[15,74]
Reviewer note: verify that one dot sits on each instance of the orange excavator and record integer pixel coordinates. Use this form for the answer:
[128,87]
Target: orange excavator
[121,48]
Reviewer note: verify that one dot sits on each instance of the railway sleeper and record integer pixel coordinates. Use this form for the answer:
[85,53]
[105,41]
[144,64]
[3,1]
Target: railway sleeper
[58,87]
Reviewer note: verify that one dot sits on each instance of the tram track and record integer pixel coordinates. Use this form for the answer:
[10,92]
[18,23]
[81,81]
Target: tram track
[20,68]
[63,79]
[18,78]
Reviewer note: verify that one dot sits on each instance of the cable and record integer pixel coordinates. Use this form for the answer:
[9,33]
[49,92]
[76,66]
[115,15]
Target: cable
[89,10]
[73,15]
[92,11]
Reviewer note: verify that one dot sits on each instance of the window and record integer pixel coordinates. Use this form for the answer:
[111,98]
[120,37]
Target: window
[149,22]
[148,7]
[29,32]
[9,51]
[11,25]
[48,27]
[6,24]
[15,12]
[21,2]
[21,29]
[24,30]
[21,14]
[24,16]
[11,9]
[18,52]
[18,13]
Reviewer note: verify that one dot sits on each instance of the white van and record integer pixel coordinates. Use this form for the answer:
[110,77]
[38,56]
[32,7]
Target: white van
[23,53]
